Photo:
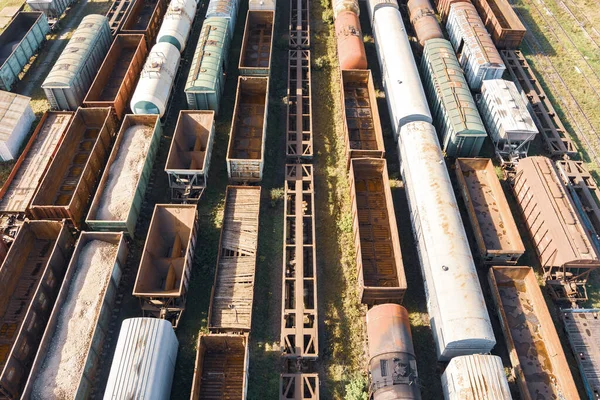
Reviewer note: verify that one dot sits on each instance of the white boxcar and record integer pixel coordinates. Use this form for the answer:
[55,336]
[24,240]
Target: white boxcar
[475,49]
[144,360]
[401,81]
[507,119]
[459,318]
[475,377]
[16,117]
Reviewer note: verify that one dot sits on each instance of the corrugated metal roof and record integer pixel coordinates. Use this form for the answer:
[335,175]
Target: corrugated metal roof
[144,360]
[12,107]
[508,107]
[476,377]
[90,31]
[210,55]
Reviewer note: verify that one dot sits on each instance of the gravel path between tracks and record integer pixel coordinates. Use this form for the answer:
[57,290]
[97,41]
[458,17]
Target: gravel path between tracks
[124,174]
[63,366]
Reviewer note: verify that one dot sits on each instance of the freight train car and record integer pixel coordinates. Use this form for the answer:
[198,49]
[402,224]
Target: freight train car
[299,316]
[391,349]
[165,269]
[118,74]
[424,21]
[362,127]
[257,44]
[299,134]
[16,117]
[475,377]
[177,23]
[221,368]
[120,194]
[299,385]
[20,41]
[563,244]
[583,329]
[31,277]
[67,361]
[69,183]
[496,233]
[459,318]
[535,351]
[53,9]
[246,150]
[340,6]
[73,73]
[379,264]
[299,24]
[144,19]
[144,360]
[351,49]
[232,294]
[404,93]
[502,23]
[226,9]
[443,7]
[189,157]
[117,13]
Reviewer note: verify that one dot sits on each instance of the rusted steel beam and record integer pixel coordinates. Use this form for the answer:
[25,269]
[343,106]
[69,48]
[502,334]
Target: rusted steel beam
[299,137]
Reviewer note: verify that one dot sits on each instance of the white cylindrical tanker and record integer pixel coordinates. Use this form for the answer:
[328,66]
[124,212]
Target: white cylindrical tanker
[156,80]
[401,81]
[177,23]
[459,317]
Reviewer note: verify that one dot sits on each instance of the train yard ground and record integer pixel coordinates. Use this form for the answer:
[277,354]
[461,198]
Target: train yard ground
[563,47]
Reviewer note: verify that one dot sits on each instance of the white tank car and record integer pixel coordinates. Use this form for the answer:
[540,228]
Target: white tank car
[459,318]
[156,80]
[177,23]
[401,80]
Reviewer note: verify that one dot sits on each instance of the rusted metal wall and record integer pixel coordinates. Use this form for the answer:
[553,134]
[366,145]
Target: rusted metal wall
[257,45]
[116,80]
[166,266]
[492,221]
[379,264]
[501,22]
[299,135]
[145,18]
[362,127]
[536,354]
[31,276]
[67,188]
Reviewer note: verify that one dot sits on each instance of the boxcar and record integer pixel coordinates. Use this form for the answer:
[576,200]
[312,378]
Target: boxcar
[502,23]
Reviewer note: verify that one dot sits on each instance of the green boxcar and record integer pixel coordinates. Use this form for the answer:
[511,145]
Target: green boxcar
[455,115]
[206,81]
[103,194]
[18,43]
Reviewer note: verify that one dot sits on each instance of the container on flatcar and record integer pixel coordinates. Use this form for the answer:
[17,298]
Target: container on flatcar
[536,354]
[362,127]
[404,92]
[379,264]
[496,233]
[460,129]
[66,363]
[246,150]
[189,157]
[118,74]
[479,376]
[19,41]
[350,46]
[177,23]
[477,54]
[144,19]
[502,23]
[146,342]
[391,349]
[227,9]
[206,79]
[70,182]
[16,117]
[31,276]
[257,44]
[459,318]
[424,21]
[73,73]
[221,368]
[153,91]
[120,194]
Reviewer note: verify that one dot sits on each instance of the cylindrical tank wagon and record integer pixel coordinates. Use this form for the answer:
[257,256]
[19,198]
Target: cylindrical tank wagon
[480,376]
[177,23]
[156,81]
[340,6]
[351,49]
[392,362]
[423,20]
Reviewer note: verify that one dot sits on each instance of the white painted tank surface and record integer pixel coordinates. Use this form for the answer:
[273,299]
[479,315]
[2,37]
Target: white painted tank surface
[401,81]
[457,311]
[156,80]
[374,5]
[177,23]
[475,377]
